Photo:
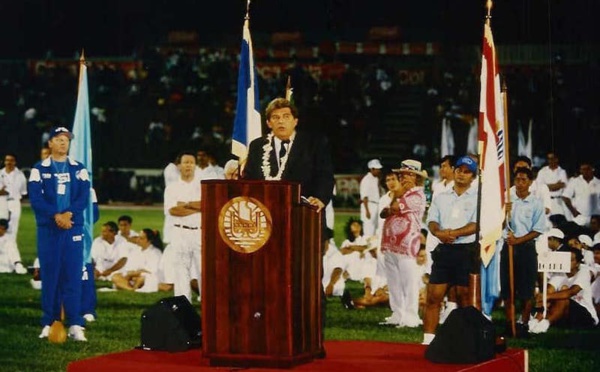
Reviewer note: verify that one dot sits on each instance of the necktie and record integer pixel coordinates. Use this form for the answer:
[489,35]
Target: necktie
[283,149]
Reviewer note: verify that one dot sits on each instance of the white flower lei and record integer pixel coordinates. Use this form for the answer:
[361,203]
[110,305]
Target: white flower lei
[266,164]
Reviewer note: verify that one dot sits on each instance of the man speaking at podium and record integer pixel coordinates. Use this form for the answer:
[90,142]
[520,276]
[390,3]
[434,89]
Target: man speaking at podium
[303,157]
[287,154]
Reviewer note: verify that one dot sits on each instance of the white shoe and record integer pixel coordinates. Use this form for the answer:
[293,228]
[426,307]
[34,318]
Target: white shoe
[45,332]
[77,333]
[89,318]
[35,284]
[533,324]
[541,327]
[410,321]
[394,320]
[445,312]
[427,338]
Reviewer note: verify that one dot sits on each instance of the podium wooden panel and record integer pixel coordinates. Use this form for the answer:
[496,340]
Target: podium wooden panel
[261,308]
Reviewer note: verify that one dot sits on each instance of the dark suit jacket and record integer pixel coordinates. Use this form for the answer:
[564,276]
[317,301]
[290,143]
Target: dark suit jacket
[309,163]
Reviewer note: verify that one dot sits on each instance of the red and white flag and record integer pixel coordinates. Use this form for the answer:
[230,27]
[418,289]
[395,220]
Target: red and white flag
[491,149]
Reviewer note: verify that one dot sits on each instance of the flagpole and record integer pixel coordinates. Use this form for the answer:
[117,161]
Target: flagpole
[511,263]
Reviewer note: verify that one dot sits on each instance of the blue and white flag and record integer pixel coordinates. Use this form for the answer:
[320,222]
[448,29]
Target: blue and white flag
[247,125]
[81,150]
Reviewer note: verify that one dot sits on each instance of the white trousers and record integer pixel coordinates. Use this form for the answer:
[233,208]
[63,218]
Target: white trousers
[402,274]
[14,215]
[186,246]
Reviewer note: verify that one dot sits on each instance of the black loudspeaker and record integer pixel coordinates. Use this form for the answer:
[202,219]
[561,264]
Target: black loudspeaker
[466,336]
[172,324]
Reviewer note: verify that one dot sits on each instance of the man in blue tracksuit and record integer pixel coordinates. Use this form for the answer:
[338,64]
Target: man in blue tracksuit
[59,191]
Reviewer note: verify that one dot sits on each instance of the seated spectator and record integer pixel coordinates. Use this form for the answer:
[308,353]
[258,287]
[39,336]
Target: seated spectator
[596,282]
[36,279]
[125,230]
[140,273]
[422,262]
[333,280]
[166,274]
[361,262]
[595,228]
[585,242]
[378,296]
[569,300]
[10,258]
[109,252]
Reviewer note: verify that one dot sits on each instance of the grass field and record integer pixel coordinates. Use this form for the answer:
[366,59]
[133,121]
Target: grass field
[118,324]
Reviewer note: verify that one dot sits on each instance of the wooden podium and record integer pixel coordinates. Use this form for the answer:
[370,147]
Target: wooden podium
[261,275]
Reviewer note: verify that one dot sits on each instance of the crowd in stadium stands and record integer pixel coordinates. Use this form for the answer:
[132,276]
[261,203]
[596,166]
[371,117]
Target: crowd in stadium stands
[145,111]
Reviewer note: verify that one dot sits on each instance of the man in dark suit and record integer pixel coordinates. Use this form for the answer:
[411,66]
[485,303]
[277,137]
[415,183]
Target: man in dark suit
[287,154]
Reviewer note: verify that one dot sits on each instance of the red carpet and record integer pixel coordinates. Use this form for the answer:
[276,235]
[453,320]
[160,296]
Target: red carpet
[341,356]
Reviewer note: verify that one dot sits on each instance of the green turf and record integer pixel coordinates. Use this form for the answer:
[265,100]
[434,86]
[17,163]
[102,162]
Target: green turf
[118,325]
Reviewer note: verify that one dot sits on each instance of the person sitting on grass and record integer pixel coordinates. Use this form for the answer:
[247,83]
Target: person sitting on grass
[10,258]
[333,280]
[361,261]
[140,273]
[379,296]
[596,280]
[109,252]
[569,299]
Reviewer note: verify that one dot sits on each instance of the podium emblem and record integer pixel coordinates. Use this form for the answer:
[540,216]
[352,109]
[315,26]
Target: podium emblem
[245,224]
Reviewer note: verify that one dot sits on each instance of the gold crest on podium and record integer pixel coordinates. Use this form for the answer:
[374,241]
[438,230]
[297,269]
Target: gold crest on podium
[245,224]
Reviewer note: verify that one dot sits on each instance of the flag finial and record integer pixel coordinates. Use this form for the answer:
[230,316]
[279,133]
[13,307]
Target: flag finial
[247,9]
[288,89]
[488,5]
[82,57]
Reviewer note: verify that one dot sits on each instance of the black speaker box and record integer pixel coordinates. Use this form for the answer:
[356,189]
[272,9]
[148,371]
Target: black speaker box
[172,324]
[466,336]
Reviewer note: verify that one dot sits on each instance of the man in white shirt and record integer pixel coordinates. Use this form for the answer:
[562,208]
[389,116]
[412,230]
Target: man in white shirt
[13,186]
[555,177]
[182,201]
[370,193]
[582,195]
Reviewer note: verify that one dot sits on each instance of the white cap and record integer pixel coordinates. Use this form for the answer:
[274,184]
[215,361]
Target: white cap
[585,239]
[557,233]
[374,164]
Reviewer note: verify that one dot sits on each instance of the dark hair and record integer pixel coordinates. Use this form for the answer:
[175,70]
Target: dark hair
[347,230]
[523,158]
[4,223]
[450,158]
[185,152]
[525,171]
[279,103]
[578,254]
[328,233]
[153,237]
[125,218]
[596,247]
[557,219]
[112,226]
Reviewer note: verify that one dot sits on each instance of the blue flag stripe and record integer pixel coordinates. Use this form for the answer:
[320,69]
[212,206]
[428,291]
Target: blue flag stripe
[247,124]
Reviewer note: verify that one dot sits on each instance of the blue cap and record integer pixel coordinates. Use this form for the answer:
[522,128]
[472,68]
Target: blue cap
[57,131]
[468,162]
